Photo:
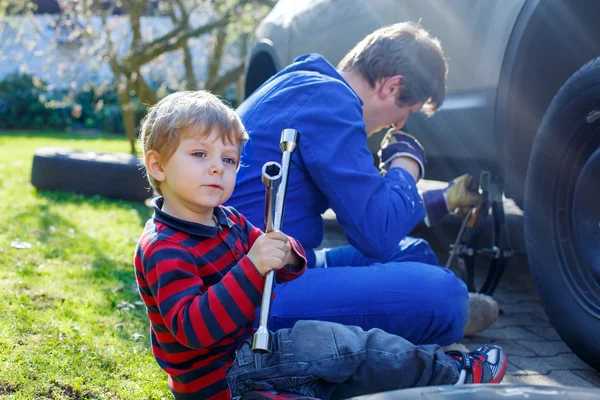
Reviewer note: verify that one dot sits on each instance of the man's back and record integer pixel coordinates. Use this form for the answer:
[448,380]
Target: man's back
[265,114]
[332,166]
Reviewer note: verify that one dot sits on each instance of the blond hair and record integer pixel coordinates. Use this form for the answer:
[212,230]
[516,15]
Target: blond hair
[182,114]
[403,49]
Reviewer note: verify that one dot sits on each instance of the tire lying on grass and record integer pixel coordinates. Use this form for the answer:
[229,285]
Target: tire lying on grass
[562,215]
[112,175]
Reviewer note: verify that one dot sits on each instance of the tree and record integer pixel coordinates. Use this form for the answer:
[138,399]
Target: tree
[114,33]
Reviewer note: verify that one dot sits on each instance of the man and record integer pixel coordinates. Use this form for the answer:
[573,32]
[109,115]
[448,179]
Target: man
[392,73]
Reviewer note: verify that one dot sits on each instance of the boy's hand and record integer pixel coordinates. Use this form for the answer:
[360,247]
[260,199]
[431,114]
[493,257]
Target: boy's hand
[270,251]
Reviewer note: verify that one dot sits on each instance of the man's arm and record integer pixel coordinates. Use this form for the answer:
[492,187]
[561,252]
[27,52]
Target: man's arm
[376,212]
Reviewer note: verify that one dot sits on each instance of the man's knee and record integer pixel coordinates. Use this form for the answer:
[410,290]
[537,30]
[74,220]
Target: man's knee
[452,298]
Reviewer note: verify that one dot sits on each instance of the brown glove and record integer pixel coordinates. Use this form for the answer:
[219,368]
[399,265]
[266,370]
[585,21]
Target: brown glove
[462,195]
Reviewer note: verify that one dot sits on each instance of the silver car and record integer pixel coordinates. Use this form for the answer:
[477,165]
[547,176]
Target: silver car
[523,103]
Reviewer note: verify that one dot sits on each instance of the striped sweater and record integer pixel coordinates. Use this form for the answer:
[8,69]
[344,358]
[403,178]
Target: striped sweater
[201,293]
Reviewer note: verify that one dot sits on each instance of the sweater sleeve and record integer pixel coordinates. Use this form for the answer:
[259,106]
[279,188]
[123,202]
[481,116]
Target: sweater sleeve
[251,232]
[196,314]
[376,212]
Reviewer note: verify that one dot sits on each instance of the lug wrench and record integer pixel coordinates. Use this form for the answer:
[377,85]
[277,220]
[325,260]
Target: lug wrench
[275,178]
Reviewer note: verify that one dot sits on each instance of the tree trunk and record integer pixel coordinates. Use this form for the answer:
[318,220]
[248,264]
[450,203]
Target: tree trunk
[190,77]
[128,115]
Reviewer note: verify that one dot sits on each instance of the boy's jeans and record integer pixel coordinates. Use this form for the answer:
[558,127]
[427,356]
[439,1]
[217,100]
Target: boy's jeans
[328,360]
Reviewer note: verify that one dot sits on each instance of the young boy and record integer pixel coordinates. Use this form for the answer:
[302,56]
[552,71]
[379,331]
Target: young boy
[200,270]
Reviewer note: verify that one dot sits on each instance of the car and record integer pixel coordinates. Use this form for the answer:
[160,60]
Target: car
[523,103]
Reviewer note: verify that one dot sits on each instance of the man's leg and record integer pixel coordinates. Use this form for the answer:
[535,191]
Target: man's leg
[420,302]
[409,249]
[328,360]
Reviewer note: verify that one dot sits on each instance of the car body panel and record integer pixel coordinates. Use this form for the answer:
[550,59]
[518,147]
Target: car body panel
[474,33]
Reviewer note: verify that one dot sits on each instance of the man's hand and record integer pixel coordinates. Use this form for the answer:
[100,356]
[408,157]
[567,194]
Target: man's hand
[462,195]
[271,251]
[397,143]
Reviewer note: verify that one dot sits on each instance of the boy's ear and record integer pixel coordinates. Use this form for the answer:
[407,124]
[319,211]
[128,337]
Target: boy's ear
[154,166]
[392,86]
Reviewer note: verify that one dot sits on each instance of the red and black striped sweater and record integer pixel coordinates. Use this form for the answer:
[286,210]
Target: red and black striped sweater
[201,293]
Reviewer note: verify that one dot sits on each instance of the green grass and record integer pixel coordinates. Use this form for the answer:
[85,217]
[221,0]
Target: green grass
[71,323]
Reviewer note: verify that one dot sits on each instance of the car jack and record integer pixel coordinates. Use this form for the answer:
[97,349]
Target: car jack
[500,251]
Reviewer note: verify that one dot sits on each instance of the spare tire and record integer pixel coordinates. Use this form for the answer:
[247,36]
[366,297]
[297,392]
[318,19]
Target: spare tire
[562,215]
[112,175]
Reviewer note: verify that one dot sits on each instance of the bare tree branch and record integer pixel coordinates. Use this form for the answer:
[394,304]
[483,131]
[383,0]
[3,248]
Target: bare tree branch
[134,10]
[152,50]
[227,79]
[268,3]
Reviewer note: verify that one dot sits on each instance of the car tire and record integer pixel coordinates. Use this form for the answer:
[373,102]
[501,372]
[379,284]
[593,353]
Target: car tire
[562,215]
[112,175]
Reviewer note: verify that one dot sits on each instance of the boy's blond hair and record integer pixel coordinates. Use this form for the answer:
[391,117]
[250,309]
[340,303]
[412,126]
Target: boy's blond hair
[403,49]
[184,114]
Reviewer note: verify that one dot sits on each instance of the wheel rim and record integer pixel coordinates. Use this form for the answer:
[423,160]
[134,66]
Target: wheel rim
[577,215]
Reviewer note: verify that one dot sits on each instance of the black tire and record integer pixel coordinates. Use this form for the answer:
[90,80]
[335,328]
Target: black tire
[562,212]
[485,392]
[112,175]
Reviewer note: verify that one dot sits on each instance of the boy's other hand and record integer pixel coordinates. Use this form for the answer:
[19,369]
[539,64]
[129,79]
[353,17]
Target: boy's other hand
[270,251]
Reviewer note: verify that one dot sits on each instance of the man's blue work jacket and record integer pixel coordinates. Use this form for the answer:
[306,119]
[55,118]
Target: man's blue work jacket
[332,166]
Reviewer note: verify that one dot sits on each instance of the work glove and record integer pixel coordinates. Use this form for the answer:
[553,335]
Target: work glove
[457,198]
[397,143]
[462,195]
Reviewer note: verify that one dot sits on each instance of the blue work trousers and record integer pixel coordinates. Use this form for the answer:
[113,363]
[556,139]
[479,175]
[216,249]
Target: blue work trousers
[408,295]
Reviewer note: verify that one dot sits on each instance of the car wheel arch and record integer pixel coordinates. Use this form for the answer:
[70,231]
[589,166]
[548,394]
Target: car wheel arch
[262,64]
[527,86]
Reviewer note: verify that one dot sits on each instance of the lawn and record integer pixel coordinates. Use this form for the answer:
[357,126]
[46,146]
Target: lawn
[73,326]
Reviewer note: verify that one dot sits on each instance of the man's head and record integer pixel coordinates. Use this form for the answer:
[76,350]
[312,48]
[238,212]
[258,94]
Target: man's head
[402,70]
[192,144]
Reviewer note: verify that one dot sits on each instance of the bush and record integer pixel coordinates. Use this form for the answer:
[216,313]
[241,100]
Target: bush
[21,105]
[26,103]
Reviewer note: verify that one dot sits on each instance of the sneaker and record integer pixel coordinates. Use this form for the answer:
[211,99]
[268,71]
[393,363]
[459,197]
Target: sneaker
[487,364]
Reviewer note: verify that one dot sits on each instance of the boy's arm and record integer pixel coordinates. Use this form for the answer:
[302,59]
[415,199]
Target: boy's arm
[290,271]
[197,315]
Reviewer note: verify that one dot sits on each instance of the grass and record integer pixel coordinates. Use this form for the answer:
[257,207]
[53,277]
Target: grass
[72,324]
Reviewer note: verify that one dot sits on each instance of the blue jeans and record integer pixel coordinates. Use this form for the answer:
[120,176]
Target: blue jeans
[421,302]
[332,361]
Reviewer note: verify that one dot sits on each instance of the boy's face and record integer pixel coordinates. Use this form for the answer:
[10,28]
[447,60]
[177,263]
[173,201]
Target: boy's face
[199,176]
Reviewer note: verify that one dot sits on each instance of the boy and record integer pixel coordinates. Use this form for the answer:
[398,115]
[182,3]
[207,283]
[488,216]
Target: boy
[200,270]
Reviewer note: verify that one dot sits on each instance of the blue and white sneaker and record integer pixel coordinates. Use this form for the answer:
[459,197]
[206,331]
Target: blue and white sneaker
[487,364]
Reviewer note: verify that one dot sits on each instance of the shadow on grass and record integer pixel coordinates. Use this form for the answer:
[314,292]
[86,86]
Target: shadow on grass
[49,222]
[143,211]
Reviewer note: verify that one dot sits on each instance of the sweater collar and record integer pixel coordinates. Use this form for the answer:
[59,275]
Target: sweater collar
[192,228]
